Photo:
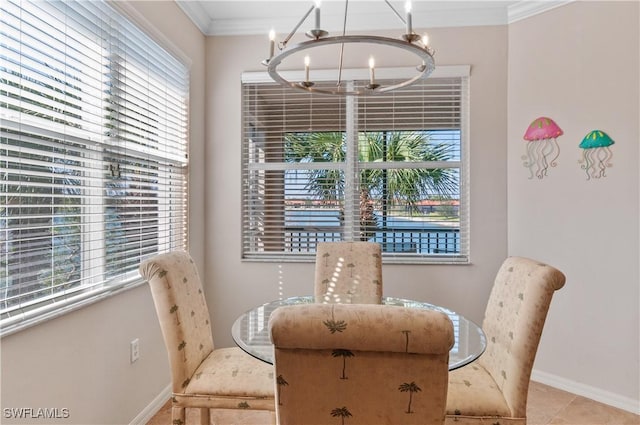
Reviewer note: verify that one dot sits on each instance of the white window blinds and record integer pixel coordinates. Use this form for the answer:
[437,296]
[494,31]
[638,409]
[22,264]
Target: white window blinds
[94,154]
[389,168]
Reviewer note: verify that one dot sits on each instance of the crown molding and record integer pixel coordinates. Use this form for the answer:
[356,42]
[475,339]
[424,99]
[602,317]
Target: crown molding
[197,14]
[439,14]
[527,8]
[445,14]
[333,23]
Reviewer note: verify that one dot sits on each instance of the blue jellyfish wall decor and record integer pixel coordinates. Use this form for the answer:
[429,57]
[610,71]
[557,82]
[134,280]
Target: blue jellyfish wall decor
[596,155]
[542,146]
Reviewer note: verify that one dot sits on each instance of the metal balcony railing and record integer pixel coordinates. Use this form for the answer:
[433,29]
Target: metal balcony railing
[393,240]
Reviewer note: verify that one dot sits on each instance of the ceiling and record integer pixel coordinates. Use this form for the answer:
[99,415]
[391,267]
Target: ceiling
[239,17]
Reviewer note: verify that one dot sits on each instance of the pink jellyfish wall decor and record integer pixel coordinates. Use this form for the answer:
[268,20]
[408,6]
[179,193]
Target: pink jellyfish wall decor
[542,146]
[596,154]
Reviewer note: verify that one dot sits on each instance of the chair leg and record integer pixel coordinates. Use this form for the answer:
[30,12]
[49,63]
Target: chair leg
[204,416]
[178,416]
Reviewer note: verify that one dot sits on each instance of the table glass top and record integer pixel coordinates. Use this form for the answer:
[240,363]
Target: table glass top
[251,330]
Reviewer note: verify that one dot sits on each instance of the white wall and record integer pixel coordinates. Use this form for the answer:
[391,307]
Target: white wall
[578,64]
[234,286]
[80,361]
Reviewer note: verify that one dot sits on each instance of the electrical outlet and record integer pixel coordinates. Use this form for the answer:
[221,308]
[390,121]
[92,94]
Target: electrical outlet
[135,350]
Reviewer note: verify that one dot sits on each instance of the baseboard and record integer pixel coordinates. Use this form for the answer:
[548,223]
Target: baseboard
[602,396]
[606,397]
[153,407]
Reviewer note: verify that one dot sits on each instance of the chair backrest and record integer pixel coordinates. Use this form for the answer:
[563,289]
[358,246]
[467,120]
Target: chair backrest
[513,323]
[368,363]
[182,312]
[348,272]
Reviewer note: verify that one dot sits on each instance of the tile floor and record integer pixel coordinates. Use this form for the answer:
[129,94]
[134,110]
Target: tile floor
[546,406]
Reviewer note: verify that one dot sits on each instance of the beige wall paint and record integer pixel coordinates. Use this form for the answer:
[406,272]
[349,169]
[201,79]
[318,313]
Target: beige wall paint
[234,286]
[578,64]
[80,361]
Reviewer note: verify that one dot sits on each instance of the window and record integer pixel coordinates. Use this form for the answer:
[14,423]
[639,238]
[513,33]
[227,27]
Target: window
[93,155]
[389,168]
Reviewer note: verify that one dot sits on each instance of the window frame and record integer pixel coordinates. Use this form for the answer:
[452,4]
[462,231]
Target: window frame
[44,308]
[458,71]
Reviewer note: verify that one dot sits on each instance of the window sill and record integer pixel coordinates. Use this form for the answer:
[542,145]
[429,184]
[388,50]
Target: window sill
[386,259]
[25,320]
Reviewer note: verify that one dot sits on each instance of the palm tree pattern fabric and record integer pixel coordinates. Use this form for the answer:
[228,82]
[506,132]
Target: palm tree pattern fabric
[357,364]
[348,273]
[494,388]
[202,376]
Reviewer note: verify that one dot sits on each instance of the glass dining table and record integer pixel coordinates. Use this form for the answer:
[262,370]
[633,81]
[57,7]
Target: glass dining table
[250,331]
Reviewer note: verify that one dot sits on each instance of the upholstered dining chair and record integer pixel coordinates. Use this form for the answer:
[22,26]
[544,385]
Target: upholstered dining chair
[348,272]
[360,364]
[203,377]
[494,388]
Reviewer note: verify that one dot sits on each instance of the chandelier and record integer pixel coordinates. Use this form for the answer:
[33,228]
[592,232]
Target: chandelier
[416,45]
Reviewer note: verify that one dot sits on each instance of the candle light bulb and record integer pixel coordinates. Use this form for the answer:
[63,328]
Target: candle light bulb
[425,40]
[272,43]
[407,9]
[317,14]
[307,61]
[372,77]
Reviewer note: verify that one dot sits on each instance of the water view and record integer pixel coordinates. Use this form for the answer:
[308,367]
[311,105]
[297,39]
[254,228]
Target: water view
[307,226]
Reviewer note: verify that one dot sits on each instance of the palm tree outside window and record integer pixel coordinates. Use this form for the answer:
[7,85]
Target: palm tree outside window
[389,169]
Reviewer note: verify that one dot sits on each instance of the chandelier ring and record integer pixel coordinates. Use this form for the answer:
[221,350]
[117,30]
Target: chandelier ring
[424,70]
